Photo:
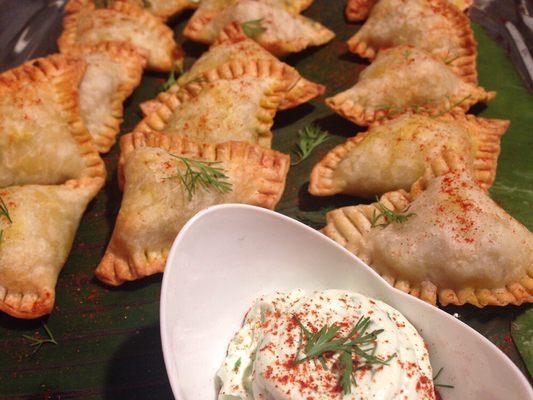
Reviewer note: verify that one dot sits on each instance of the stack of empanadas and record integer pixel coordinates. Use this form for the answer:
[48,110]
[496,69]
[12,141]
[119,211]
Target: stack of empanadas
[219,112]
[434,233]
[206,139]
[49,172]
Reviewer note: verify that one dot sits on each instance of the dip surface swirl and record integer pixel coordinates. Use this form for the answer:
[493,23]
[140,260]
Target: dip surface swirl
[260,362]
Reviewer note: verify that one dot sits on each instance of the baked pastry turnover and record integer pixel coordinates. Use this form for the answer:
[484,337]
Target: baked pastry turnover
[126,23]
[274,24]
[161,8]
[444,239]
[37,231]
[114,70]
[432,25]
[234,45]
[357,10]
[395,154]
[42,137]
[235,101]
[403,79]
[157,202]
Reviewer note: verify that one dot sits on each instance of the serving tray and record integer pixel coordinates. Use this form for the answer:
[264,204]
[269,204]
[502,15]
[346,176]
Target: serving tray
[108,338]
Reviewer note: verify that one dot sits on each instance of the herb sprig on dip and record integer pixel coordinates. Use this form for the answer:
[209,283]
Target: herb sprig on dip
[356,343]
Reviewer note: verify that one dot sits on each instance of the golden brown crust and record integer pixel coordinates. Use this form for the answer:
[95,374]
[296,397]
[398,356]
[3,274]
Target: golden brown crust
[64,73]
[132,64]
[365,117]
[321,182]
[415,66]
[31,305]
[117,265]
[349,225]
[198,28]
[169,55]
[167,103]
[463,63]
[163,9]
[487,133]
[358,10]
[27,306]
[301,92]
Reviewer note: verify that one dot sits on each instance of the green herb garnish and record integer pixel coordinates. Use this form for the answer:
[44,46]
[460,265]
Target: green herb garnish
[309,138]
[448,61]
[441,384]
[4,212]
[205,174]
[237,365]
[253,27]
[171,80]
[452,106]
[325,341]
[38,342]
[388,216]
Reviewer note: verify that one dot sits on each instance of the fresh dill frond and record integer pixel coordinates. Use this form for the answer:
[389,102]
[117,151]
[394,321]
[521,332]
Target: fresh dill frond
[444,385]
[39,342]
[171,80]
[237,365]
[448,61]
[206,174]
[452,106]
[309,138]
[4,212]
[326,341]
[388,216]
[253,27]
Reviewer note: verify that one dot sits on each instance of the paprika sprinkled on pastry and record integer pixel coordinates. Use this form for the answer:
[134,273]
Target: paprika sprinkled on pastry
[394,155]
[446,239]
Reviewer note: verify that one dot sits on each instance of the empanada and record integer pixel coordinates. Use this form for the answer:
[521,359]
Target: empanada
[42,137]
[36,240]
[234,45]
[270,23]
[156,202]
[447,239]
[161,8]
[127,23]
[357,10]
[395,154]
[436,26]
[114,70]
[235,101]
[403,79]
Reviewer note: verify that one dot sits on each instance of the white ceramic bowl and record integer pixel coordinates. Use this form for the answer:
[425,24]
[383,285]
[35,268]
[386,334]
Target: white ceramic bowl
[227,256]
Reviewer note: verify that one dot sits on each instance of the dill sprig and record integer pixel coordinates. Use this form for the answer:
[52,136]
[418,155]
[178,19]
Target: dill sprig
[39,342]
[204,174]
[452,106]
[253,27]
[237,365]
[326,341]
[4,212]
[388,216]
[309,138]
[171,80]
[444,385]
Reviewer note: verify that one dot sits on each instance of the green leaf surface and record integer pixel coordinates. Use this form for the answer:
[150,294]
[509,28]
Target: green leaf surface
[522,331]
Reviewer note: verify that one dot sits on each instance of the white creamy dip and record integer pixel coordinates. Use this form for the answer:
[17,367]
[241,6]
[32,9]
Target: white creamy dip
[260,358]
